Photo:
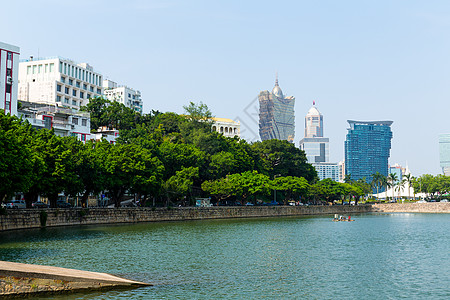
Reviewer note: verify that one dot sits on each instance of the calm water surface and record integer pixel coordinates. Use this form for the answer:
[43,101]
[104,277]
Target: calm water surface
[379,256]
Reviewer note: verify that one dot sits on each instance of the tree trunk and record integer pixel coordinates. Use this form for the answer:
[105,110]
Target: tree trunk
[84,198]
[52,198]
[30,197]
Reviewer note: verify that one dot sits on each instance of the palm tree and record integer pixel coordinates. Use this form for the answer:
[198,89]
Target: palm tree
[377,181]
[408,179]
[348,178]
[392,178]
[400,186]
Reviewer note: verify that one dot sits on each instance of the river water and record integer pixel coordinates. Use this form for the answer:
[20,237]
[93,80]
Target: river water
[379,256]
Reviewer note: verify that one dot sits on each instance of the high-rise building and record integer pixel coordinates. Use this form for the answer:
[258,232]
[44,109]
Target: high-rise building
[123,94]
[276,115]
[9,65]
[58,81]
[444,153]
[367,148]
[316,146]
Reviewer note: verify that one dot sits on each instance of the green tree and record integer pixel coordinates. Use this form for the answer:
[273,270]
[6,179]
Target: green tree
[282,157]
[377,181]
[179,185]
[16,158]
[292,186]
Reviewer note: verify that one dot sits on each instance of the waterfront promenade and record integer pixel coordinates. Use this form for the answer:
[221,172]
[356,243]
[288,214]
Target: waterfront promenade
[32,218]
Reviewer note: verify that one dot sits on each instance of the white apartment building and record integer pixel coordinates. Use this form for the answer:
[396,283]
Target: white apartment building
[64,121]
[227,127]
[123,94]
[9,66]
[58,81]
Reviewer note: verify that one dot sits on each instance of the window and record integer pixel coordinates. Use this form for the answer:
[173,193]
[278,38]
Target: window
[9,56]
[83,122]
[134,96]
[58,88]
[58,98]
[129,95]
[75,121]
[8,88]
[83,77]
[60,67]
[72,71]
[88,96]
[78,84]
[81,95]
[83,138]
[28,70]
[51,67]
[76,72]
[46,68]
[74,103]
[74,93]
[67,90]
[34,69]
[8,72]
[63,79]
[99,91]
[65,68]
[91,89]
[40,69]
[85,86]
[70,81]
[66,100]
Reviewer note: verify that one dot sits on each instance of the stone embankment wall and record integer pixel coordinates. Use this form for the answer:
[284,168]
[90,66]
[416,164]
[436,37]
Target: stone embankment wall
[430,207]
[30,218]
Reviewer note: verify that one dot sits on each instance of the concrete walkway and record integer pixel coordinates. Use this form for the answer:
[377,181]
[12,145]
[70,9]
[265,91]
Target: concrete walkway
[64,279]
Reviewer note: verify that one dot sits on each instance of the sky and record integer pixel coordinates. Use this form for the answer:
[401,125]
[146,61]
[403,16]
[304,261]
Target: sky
[359,60]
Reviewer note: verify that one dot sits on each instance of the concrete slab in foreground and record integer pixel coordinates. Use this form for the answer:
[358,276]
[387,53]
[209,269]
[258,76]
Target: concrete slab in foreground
[18,278]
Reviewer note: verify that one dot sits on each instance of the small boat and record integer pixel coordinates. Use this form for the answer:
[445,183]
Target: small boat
[342,219]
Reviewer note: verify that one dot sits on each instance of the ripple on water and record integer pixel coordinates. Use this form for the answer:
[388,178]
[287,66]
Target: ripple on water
[385,255]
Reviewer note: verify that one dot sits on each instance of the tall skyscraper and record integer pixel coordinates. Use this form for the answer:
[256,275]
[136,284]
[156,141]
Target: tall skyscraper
[276,115]
[316,147]
[444,153]
[367,148]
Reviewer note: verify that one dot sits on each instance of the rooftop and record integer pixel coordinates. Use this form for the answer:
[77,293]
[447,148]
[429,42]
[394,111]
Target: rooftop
[386,123]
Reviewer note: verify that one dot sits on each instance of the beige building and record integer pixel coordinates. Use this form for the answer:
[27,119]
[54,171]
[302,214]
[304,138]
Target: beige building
[227,127]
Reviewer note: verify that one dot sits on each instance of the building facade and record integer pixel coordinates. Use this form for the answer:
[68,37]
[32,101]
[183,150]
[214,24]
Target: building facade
[227,127]
[316,146]
[444,153]
[9,66]
[276,115]
[328,170]
[367,148]
[64,121]
[398,171]
[58,81]
[123,94]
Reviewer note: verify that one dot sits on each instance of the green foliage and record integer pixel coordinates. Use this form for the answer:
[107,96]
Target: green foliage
[283,158]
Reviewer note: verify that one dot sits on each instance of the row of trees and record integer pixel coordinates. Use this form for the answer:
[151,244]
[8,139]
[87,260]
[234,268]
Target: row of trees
[163,155]
[434,186]
[380,181]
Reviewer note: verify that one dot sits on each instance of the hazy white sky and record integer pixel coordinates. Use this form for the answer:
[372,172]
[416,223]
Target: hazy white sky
[359,60]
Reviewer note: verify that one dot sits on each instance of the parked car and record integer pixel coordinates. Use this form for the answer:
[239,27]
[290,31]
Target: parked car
[16,204]
[421,201]
[39,204]
[444,200]
[63,204]
[249,204]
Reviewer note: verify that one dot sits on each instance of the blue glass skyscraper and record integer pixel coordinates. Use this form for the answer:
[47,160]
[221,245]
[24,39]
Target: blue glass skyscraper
[367,149]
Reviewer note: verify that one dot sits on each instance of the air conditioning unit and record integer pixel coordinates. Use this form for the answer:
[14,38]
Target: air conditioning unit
[9,79]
